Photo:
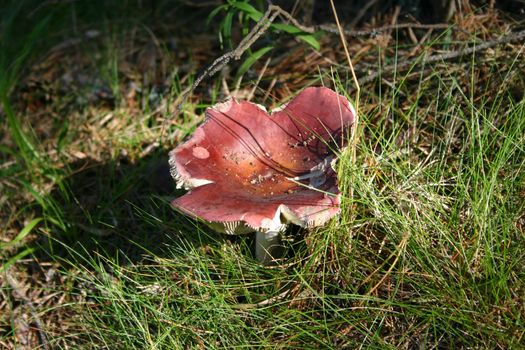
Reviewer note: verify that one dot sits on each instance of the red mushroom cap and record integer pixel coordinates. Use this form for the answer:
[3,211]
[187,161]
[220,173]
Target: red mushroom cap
[249,170]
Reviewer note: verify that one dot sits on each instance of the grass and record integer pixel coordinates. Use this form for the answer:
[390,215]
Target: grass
[428,252]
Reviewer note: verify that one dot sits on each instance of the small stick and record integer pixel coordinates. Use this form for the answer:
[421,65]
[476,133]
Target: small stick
[13,283]
[447,56]
[261,74]
[375,31]
[257,31]
[270,88]
[262,26]
[289,17]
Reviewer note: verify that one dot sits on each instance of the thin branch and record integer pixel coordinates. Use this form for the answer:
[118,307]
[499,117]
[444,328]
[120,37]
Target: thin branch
[13,283]
[375,31]
[261,27]
[261,74]
[445,56]
[295,22]
[257,31]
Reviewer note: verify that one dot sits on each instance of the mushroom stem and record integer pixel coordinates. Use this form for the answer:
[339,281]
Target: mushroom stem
[268,246]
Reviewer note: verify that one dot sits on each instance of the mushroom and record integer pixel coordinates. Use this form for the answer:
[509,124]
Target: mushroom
[247,170]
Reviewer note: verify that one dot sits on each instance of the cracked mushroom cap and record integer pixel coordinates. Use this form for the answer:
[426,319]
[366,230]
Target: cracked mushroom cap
[249,170]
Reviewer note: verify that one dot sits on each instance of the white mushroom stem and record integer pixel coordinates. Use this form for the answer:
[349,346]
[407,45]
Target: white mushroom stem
[268,246]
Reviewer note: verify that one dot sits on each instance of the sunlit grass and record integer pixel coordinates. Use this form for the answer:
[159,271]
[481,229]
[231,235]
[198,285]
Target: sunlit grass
[426,253]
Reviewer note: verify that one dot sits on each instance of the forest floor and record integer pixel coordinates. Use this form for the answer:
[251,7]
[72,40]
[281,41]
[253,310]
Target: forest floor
[428,251]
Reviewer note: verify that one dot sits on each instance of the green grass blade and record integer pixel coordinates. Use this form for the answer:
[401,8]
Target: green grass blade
[13,260]
[254,57]
[24,232]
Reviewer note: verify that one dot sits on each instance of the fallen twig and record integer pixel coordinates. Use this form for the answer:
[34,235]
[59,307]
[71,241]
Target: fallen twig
[375,31]
[445,56]
[13,283]
[259,29]
[273,11]
[262,26]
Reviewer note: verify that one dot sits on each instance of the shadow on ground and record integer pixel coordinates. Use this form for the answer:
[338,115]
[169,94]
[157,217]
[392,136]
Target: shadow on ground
[119,210]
